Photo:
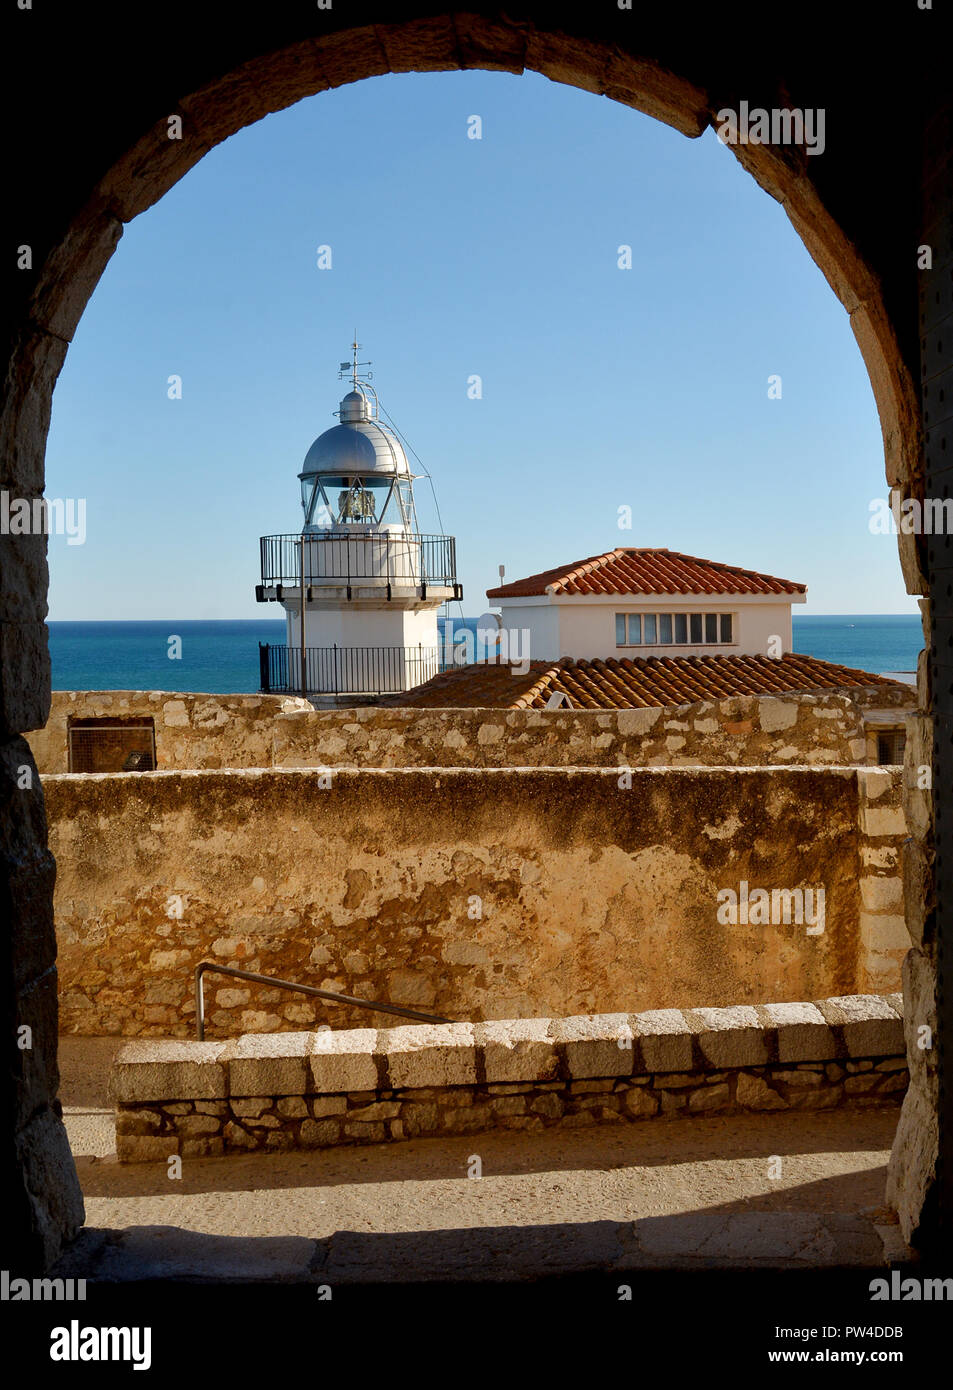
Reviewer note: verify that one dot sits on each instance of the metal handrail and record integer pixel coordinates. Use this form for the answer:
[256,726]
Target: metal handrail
[214,968]
[346,670]
[348,555]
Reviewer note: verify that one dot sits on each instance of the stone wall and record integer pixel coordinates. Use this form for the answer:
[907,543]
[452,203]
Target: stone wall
[191,730]
[218,731]
[884,938]
[466,893]
[912,1183]
[315,1090]
[815,730]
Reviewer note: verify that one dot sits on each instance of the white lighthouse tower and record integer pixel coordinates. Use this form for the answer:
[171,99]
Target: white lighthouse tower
[372,583]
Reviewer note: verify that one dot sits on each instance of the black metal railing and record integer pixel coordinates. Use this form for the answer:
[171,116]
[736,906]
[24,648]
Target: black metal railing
[212,967]
[346,670]
[399,561]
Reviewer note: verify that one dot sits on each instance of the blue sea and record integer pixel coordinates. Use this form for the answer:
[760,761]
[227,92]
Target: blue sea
[222,656]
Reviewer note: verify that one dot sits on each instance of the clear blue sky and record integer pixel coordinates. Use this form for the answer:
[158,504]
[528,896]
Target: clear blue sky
[452,257]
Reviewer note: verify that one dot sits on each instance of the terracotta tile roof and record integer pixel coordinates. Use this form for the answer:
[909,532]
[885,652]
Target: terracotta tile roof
[478,686]
[635,683]
[628,571]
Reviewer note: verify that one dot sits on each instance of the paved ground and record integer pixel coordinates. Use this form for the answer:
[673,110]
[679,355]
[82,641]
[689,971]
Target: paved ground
[787,1191]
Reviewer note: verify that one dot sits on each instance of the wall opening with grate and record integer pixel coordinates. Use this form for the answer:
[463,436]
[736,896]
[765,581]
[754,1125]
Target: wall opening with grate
[890,746]
[112,745]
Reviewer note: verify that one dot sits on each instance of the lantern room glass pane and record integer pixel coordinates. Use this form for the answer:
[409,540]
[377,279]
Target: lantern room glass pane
[681,627]
[665,628]
[649,628]
[361,499]
[317,513]
[711,627]
[344,501]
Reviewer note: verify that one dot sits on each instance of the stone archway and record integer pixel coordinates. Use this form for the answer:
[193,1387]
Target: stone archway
[681,68]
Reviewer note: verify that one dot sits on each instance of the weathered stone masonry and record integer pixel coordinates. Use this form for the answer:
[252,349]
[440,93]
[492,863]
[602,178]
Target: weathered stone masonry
[190,730]
[367,1086]
[912,1182]
[219,731]
[471,893]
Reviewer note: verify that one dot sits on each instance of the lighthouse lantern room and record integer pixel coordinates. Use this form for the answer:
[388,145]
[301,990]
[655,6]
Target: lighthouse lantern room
[372,583]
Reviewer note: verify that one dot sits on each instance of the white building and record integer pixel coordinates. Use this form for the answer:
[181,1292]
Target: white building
[372,583]
[643,603]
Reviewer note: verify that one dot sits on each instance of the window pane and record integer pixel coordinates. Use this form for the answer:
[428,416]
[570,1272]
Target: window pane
[726,627]
[620,629]
[711,627]
[648,621]
[665,627]
[635,629]
[696,624]
[681,627]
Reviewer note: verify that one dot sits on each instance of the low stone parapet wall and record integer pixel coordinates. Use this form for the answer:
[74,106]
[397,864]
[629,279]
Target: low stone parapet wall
[816,728]
[365,1086]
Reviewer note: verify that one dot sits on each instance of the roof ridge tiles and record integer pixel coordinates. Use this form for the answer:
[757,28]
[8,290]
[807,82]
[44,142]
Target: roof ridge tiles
[645,570]
[627,682]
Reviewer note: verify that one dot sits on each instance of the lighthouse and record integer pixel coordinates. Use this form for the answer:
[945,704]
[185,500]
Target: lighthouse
[359,584]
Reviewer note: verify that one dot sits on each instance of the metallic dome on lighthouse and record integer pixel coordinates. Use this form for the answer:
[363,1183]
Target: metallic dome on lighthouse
[354,407]
[359,444]
[356,473]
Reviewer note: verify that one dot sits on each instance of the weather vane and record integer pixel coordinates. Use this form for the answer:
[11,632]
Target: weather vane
[353,365]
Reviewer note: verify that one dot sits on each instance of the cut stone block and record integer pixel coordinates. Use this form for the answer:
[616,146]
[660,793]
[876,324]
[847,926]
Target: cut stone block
[803,1032]
[883,932]
[881,893]
[755,1094]
[169,1071]
[709,1098]
[197,1126]
[776,715]
[665,1039]
[729,1037]
[429,1054]
[343,1061]
[869,1024]
[875,821]
[319,1135]
[874,781]
[140,1148]
[250,1107]
[268,1064]
[517,1049]
[595,1044]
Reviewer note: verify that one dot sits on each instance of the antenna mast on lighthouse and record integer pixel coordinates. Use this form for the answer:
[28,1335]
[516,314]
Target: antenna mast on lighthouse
[353,365]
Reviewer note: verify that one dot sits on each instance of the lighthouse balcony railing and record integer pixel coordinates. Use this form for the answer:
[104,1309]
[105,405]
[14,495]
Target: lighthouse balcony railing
[348,557]
[346,670]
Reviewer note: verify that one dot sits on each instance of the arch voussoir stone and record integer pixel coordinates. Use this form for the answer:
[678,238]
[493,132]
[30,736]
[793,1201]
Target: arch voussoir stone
[430,45]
